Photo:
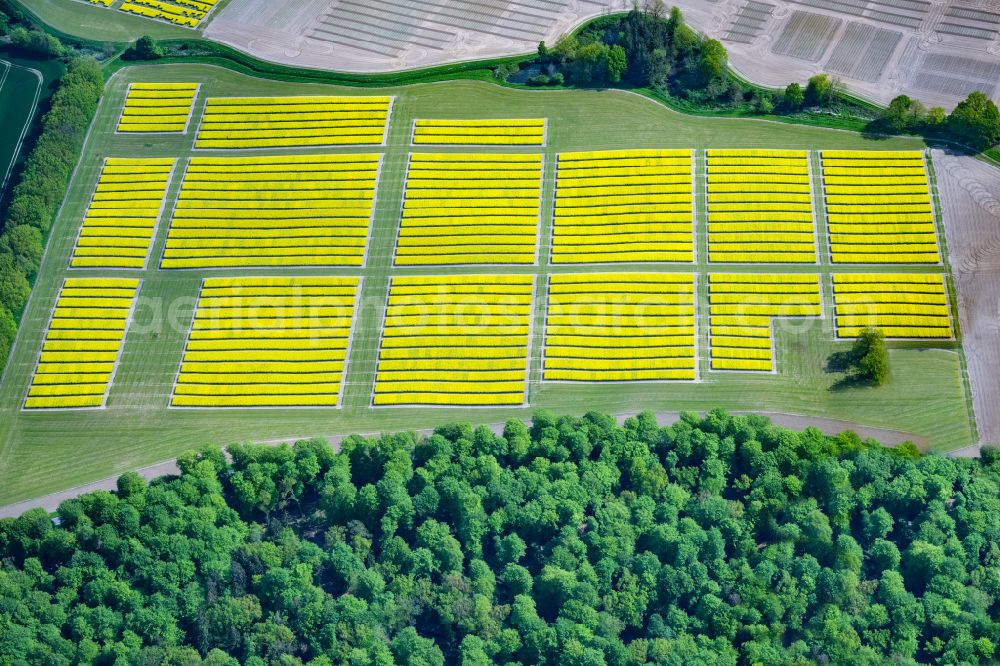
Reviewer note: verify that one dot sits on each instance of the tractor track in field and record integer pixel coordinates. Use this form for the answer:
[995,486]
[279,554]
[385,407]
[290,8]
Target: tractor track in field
[968,190]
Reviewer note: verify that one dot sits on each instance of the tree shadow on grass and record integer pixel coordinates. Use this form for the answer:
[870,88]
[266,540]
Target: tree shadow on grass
[843,362]
[877,131]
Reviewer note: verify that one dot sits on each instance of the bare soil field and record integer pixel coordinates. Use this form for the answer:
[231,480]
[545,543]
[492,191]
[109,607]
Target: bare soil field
[935,50]
[970,199]
[385,35]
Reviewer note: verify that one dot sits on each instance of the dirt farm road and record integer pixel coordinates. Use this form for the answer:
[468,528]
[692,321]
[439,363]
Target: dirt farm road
[829,426]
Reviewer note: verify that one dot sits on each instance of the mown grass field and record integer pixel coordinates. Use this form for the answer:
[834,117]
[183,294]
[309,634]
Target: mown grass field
[44,452]
[82,19]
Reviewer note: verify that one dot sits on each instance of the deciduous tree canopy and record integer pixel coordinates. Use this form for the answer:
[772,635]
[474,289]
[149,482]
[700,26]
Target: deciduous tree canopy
[717,540]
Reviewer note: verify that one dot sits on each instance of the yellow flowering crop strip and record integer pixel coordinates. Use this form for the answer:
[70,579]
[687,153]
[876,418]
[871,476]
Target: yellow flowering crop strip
[741,309]
[277,122]
[82,344]
[879,208]
[760,207]
[121,218]
[157,107]
[623,206]
[457,340]
[469,208]
[187,13]
[908,306]
[604,327]
[268,342]
[480,132]
[294,210]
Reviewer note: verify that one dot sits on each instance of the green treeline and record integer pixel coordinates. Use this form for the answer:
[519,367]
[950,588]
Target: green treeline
[40,189]
[652,48]
[575,541]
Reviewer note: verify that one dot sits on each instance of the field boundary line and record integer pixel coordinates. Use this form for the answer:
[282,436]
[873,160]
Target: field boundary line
[161,214]
[45,337]
[46,258]
[184,349]
[537,255]
[191,107]
[121,345]
[121,112]
[529,340]
[86,212]
[381,335]
[358,290]
[374,204]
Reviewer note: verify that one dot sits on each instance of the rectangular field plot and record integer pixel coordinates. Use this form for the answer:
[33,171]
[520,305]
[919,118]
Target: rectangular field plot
[297,210]
[188,13]
[505,132]
[121,219]
[760,207]
[82,344]
[620,327]
[455,340]
[268,342]
[878,206]
[157,107]
[624,206]
[899,305]
[741,308]
[276,122]
[806,36]
[863,52]
[470,209]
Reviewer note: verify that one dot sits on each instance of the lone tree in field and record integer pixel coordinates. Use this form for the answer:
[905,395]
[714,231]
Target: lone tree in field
[871,356]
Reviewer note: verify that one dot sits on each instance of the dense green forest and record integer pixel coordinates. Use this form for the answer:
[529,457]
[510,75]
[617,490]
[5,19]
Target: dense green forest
[576,541]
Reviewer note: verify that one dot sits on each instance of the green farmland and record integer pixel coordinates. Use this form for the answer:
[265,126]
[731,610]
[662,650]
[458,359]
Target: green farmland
[22,92]
[46,451]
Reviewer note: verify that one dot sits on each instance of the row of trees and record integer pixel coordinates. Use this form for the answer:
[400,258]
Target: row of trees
[575,541]
[644,48]
[653,48]
[26,37]
[34,201]
[975,120]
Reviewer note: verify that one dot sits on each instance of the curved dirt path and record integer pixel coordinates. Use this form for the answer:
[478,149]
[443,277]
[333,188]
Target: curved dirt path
[829,426]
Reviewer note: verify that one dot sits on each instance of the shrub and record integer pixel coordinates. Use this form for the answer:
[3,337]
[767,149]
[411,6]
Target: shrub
[763,103]
[819,91]
[793,99]
[36,41]
[144,48]
[504,71]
